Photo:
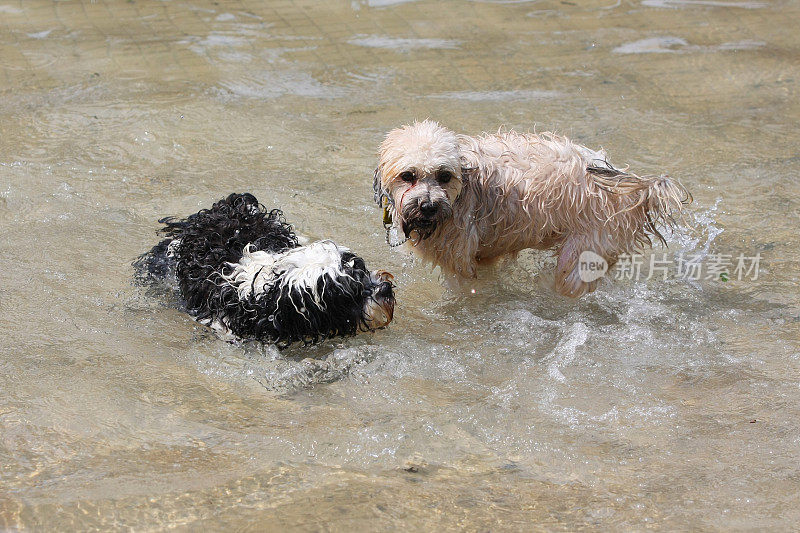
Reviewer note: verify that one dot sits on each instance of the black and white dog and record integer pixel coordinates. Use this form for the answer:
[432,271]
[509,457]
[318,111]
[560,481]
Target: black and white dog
[240,270]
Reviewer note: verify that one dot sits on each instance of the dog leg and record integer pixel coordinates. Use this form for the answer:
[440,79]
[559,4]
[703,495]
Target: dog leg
[568,280]
[489,262]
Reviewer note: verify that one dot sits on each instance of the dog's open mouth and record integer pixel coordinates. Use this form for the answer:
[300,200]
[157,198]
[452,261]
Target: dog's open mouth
[422,226]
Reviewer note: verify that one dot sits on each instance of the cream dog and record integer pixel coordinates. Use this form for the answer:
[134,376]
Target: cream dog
[465,201]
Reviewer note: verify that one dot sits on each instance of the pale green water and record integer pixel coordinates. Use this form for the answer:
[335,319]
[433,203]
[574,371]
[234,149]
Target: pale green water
[517,410]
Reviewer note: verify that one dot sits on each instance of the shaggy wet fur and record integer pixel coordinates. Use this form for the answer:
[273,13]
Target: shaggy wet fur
[240,269]
[466,201]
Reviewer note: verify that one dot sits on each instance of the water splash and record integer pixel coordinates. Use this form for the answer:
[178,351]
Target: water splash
[566,351]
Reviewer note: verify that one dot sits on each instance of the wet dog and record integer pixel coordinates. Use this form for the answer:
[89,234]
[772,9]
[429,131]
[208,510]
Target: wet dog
[465,201]
[240,269]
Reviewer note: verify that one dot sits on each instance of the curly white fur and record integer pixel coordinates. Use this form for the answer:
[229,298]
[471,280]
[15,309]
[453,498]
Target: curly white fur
[299,268]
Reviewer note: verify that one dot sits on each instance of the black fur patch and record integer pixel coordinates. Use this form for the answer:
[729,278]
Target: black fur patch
[213,237]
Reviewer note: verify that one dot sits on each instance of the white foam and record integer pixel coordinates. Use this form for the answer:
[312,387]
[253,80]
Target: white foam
[658,45]
[566,351]
[498,96]
[402,44]
[702,3]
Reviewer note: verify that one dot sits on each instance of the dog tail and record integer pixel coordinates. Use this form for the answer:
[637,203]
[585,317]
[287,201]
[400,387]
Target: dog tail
[660,198]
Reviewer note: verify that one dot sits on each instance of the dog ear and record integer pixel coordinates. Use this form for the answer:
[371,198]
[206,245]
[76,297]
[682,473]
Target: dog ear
[468,176]
[466,169]
[380,194]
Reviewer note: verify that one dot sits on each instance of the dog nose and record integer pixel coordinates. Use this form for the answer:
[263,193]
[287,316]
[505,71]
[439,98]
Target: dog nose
[385,290]
[428,208]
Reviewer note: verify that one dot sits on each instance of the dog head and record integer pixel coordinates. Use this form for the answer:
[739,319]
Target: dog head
[369,295]
[420,175]
[306,293]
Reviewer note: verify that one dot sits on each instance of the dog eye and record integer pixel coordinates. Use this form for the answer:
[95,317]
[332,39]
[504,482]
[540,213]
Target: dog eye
[444,176]
[407,176]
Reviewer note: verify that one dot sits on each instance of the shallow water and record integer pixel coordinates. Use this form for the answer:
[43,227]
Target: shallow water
[648,404]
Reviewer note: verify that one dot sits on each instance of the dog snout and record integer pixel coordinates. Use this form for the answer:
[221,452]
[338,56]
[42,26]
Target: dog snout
[385,290]
[428,208]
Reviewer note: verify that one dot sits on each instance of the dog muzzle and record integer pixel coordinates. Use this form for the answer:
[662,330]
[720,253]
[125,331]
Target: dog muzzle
[379,307]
